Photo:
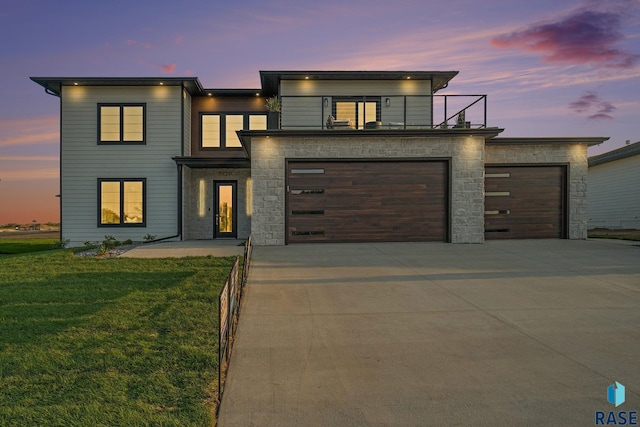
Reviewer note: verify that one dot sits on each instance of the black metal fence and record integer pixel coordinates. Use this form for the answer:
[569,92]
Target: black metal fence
[370,113]
[229,311]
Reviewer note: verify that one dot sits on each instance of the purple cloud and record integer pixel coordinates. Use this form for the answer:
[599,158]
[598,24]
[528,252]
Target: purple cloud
[590,102]
[583,37]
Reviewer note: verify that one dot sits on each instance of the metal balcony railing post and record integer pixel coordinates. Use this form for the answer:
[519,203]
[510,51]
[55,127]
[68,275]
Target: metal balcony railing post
[485,111]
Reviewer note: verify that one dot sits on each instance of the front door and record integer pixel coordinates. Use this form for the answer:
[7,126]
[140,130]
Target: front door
[226,208]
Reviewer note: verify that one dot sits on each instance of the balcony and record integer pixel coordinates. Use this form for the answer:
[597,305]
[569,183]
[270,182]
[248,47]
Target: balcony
[370,113]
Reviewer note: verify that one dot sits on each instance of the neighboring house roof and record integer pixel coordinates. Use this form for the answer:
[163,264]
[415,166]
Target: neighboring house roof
[53,85]
[620,153]
[271,79]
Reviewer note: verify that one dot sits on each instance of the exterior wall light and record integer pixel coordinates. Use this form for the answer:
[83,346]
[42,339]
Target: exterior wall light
[326,102]
[387,102]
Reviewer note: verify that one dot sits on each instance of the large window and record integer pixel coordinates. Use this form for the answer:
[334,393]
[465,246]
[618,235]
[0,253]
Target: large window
[357,110]
[121,123]
[121,202]
[219,130]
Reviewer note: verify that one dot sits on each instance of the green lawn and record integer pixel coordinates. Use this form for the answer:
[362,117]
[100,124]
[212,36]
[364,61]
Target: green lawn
[21,246]
[105,342]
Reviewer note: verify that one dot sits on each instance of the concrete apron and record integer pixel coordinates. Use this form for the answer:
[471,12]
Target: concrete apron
[504,333]
[178,249]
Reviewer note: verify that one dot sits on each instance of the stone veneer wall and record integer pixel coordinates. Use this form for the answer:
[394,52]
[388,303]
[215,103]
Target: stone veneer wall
[573,154]
[199,220]
[268,172]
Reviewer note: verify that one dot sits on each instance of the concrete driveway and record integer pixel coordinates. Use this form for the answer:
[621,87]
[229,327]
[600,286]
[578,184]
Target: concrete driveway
[412,334]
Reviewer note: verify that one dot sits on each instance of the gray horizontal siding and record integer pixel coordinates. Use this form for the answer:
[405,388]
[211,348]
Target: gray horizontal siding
[355,87]
[418,112]
[302,113]
[84,161]
[613,194]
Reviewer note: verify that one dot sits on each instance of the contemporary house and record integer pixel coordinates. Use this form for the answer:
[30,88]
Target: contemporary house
[352,156]
[614,194]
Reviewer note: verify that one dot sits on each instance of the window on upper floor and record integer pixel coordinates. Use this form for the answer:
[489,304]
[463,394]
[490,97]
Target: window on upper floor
[358,111]
[121,123]
[219,130]
[121,202]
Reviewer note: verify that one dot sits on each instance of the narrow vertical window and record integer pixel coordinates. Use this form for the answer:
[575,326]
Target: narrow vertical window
[257,122]
[109,202]
[234,122]
[210,128]
[132,123]
[110,124]
[132,208]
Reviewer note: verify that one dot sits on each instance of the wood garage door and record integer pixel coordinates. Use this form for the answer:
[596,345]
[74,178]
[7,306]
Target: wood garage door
[525,202]
[367,201]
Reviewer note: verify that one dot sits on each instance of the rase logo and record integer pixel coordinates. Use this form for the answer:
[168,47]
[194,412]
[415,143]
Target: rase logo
[615,396]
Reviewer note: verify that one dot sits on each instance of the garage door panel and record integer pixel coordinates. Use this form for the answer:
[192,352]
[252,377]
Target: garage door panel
[525,202]
[369,201]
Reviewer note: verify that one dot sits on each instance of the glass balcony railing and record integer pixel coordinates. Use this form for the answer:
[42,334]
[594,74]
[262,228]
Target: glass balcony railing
[383,112]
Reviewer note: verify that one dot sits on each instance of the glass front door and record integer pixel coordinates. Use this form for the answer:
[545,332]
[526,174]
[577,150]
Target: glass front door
[225,218]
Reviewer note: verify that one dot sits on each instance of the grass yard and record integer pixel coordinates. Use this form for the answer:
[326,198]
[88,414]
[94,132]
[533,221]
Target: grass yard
[105,342]
[21,246]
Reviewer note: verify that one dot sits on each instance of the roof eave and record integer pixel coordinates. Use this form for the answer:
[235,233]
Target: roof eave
[270,79]
[55,84]
[590,141]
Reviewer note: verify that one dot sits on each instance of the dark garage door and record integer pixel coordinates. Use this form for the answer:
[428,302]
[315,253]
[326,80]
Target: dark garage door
[525,202]
[367,201]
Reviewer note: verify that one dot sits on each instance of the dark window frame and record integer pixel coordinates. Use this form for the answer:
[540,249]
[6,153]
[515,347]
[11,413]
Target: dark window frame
[121,213]
[356,99]
[121,105]
[223,127]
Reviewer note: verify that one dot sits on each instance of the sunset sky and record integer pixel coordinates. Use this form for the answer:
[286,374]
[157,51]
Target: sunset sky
[549,68]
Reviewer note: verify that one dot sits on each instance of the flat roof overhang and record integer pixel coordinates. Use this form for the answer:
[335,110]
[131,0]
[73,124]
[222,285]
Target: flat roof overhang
[211,162]
[270,80]
[247,135]
[553,140]
[53,85]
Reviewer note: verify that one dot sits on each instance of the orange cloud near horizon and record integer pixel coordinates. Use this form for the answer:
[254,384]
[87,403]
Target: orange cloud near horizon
[36,130]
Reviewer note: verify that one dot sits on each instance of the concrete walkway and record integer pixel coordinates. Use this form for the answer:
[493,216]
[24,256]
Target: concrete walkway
[505,333]
[217,248]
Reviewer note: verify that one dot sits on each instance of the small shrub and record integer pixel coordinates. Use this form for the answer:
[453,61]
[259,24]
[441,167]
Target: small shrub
[107,244]
[62,244]
[128,242]
[149,237]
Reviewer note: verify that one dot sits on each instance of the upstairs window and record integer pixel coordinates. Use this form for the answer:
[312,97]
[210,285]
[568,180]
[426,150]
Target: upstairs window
[121,202]
[219,130]
[121,123]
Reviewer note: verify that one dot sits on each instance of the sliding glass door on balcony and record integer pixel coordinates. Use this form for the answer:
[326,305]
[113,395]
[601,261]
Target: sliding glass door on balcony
[356,112]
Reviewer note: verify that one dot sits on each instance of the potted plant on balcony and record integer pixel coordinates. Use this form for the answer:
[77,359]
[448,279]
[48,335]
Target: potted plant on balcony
[273,112]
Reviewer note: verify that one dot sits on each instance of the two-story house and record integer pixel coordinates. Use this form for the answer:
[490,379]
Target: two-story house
[352,156]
